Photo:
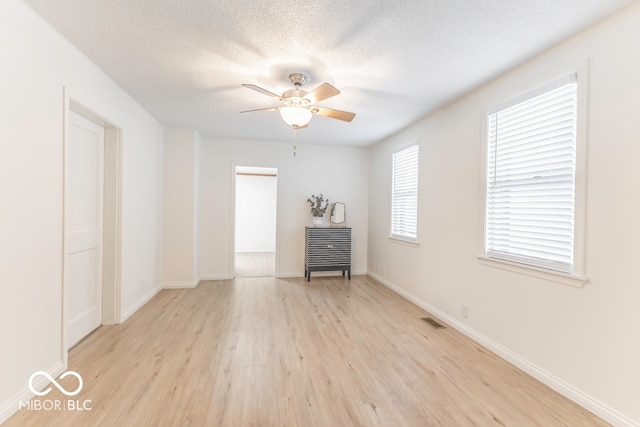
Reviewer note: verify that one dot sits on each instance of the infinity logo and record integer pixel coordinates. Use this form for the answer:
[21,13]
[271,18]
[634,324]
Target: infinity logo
[54,382]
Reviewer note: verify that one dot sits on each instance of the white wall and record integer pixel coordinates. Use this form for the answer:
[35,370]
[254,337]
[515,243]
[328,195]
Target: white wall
[180,200]
[36,63]
[583,341]
[339,173]
[255,220]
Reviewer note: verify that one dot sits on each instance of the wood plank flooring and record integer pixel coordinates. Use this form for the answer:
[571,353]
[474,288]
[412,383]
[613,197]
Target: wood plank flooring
[284,352]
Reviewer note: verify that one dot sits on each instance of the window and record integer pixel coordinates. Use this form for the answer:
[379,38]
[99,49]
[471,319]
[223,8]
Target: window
[404,196]
[531,178]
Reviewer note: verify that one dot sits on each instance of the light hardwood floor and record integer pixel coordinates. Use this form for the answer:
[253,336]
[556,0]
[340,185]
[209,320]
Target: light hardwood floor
[272,352]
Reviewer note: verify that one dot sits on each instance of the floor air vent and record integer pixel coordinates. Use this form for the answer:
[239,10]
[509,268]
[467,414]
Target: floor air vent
[433,323]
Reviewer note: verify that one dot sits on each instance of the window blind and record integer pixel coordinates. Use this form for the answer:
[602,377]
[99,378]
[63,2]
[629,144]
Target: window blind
[404,200]
[531,180]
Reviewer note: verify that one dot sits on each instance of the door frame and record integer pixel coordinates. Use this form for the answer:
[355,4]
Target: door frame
[232,234]
[112,224]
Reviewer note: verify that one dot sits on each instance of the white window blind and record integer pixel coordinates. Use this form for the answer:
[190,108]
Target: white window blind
[404,199]
[531,171]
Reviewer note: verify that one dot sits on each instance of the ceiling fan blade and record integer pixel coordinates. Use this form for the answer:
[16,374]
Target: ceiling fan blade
[334,114]
[261,90]
[324,91]
[262,109]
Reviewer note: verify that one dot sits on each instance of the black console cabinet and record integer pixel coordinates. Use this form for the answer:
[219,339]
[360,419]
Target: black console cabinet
[327,249]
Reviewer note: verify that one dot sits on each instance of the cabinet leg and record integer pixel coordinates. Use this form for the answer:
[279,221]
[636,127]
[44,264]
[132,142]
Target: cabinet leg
[349,270]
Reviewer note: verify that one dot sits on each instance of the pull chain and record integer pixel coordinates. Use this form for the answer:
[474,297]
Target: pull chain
[295,141]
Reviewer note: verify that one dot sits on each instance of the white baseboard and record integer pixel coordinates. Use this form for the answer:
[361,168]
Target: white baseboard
[179,285]
[288,275]
[12,406]
[145,299]
[320,274]
[568,391]
[216,277]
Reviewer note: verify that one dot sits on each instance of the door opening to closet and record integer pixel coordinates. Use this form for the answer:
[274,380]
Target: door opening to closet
[255,221]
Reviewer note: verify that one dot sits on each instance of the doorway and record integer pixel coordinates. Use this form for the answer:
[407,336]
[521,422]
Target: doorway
[91,267]
[255,221]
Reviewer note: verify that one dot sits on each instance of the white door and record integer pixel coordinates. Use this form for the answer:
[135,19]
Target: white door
[83,291]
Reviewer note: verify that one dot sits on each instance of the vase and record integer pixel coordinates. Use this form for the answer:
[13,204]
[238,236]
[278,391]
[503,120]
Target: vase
[317,221]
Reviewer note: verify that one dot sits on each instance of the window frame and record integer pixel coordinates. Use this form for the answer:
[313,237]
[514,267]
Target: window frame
[408,240]
[577,277]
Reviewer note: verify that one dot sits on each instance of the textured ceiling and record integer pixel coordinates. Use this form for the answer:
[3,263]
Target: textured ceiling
[394,61]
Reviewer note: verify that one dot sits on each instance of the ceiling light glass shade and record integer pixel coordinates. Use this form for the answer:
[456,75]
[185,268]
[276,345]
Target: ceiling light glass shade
[295,116]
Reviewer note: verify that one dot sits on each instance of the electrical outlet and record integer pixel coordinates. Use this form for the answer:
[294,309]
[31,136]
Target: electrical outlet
[384,270]
[142,285]
[464,310]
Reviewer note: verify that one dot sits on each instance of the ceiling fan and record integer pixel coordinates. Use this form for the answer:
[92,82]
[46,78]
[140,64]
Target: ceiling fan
[298,106]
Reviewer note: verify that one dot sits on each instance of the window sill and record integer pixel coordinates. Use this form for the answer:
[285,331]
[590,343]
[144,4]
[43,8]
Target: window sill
[406,242]
[553,276]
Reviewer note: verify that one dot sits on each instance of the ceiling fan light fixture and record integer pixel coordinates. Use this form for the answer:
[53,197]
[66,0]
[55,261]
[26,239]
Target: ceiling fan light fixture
[298,106]
[296,116]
